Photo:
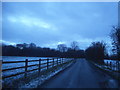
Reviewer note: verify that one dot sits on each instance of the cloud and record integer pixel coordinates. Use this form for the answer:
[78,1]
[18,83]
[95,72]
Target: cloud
[7,42]
[48,24]
[31,22]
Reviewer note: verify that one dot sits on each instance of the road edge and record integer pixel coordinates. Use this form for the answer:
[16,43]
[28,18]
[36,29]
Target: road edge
[40,86]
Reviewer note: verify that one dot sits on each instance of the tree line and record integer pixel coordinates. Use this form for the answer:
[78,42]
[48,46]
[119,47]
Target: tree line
[96,51]
[35,51]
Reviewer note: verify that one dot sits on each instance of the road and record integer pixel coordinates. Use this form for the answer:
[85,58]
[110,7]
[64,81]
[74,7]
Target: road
[82,74]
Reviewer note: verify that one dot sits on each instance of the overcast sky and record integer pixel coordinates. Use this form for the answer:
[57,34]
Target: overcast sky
[50,24]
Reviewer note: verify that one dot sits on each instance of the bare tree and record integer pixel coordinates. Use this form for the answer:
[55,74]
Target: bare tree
[115,35]
[62,47]
[19,46]
[25,45]
[74,45]
[32,45]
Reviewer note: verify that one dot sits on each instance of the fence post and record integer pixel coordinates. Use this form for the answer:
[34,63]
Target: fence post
[53,62]
[39,65]
[118,66]
[110,65]
[107,64]
[62,61]
[57,61]
[47,64]
[26,65]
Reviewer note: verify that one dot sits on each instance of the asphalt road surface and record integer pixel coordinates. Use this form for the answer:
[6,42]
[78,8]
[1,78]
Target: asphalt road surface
[82,74]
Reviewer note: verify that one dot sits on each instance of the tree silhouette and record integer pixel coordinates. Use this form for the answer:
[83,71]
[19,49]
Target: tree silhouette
[74,45]
[115,35]
[96,52]
[35,51]
[62,47]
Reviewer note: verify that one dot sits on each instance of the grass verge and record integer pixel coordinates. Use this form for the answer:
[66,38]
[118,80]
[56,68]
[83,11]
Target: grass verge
[115,75]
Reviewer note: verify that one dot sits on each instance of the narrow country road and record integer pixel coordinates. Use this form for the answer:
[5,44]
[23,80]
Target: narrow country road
[82,74]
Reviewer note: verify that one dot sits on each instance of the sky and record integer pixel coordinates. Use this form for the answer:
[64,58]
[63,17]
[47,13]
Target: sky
[48,24]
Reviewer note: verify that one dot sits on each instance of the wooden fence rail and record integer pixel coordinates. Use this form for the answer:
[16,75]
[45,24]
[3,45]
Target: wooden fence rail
[47,64]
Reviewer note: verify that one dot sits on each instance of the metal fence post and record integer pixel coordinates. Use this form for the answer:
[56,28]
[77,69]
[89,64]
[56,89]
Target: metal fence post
[39,65]
[26,65]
